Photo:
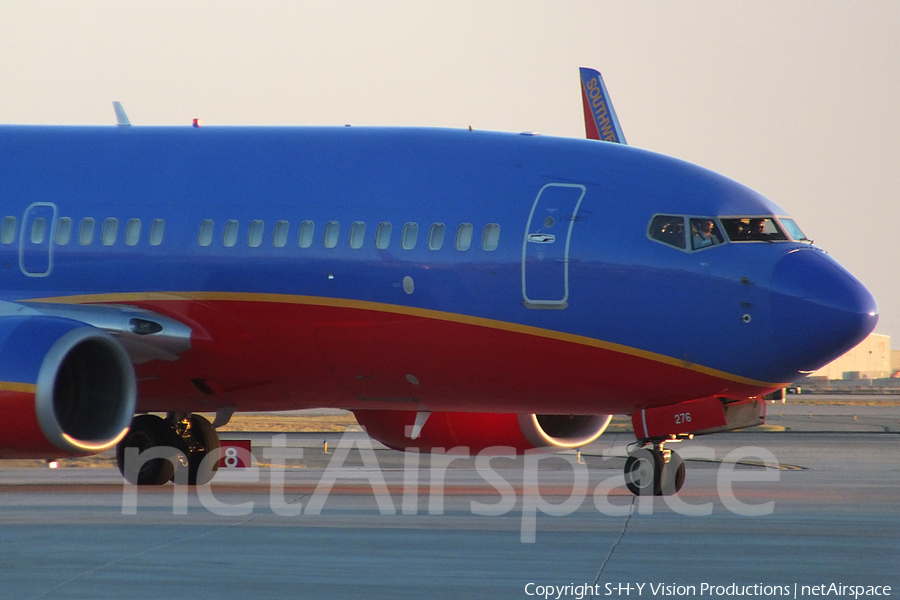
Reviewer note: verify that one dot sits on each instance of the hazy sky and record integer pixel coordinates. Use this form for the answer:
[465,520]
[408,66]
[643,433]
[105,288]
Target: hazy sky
[797,99]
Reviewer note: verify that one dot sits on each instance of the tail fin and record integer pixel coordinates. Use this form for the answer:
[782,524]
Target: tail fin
[600,121]
[121,117]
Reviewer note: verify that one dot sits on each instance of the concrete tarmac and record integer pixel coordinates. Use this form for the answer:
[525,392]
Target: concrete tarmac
[772,510]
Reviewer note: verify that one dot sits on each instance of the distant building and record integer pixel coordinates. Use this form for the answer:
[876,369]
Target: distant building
[871,359]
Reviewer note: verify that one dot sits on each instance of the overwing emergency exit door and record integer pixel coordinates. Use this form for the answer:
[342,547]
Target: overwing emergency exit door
[36,239]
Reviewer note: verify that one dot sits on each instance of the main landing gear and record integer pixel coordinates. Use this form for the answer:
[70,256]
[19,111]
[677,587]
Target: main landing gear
[653,470]
[177,443]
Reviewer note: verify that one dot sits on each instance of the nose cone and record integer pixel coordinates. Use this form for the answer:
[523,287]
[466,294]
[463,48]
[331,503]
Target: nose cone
[819,310]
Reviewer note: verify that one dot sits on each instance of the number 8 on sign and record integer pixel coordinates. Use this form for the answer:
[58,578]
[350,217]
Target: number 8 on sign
[231,457]
[235,454]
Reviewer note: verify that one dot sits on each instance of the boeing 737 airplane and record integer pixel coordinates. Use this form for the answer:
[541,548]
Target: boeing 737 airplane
[450,287]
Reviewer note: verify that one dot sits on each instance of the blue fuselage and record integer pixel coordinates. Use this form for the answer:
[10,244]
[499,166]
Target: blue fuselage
[534,234]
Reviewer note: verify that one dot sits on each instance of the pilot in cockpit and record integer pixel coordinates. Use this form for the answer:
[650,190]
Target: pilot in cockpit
[702,233]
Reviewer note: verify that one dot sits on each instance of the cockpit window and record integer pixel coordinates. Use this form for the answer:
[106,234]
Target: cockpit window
[668,229]
[705,233]
[753,229]
[793,230]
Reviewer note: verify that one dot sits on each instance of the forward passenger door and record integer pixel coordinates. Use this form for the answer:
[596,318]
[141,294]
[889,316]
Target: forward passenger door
[545,249]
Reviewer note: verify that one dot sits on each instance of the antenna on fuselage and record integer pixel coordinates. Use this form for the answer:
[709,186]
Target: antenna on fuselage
[121,117]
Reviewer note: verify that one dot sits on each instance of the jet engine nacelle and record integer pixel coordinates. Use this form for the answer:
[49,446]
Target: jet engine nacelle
[66,389]
[398,429]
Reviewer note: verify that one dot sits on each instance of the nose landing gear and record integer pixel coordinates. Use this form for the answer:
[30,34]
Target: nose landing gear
[654,470]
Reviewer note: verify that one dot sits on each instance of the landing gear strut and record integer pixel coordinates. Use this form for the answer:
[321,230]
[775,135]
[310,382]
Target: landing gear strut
[180,441]
[653,470]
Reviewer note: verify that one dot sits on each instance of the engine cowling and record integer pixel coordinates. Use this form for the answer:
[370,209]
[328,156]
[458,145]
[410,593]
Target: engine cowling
[479,431]
[67,389]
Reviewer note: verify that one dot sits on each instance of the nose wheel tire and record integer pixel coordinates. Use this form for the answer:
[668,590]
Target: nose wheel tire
[643,472]
[647,473]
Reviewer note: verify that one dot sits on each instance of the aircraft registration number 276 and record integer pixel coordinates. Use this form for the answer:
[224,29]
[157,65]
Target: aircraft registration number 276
[682,418]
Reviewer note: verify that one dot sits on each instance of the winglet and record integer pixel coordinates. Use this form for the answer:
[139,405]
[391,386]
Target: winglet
[121,117]
[600,121]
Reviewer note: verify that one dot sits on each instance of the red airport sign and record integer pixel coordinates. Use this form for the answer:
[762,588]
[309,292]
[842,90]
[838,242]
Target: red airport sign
[235,454]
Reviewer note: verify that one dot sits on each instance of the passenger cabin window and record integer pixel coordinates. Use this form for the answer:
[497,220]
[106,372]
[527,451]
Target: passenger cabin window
[108,232]
[255,234]
[753,229]
[383,235]
[157,228]
[490,239]
[668,229]
[86,231]
[280,235]
[63,231]
[357,234]
[332,232]
[132,232]
[8,230]
[229,237]
[305,238]
[38,230]
[206,232]
[793,230]
[464,236]
[409,236]
[705,233]
[436,236]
